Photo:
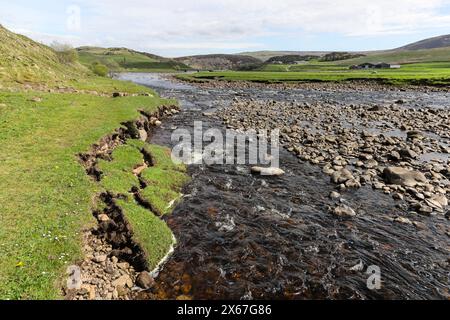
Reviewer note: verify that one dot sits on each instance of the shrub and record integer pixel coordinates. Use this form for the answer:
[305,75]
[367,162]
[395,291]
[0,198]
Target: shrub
[65,52]
[100,69]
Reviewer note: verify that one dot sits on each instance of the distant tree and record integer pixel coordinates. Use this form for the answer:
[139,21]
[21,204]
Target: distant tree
[65,52]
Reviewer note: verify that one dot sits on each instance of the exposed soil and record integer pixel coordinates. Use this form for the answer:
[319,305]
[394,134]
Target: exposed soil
[114,262]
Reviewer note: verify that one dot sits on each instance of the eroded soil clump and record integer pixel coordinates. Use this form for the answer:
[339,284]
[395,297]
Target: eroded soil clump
[116,266]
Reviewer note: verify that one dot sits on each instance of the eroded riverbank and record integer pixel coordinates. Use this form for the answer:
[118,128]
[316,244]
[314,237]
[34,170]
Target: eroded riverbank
[241,236]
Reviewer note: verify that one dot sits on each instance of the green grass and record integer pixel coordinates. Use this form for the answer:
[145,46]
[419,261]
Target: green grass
[46,196]
[25,61]
[164,180]
[419,73]
[151,232]
[117,175]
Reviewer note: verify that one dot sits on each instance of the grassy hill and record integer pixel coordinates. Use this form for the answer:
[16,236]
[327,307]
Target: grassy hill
[219,61]
[23,60]
[123,59]
[267,54]
[403,56]
[431,43]
[50,113]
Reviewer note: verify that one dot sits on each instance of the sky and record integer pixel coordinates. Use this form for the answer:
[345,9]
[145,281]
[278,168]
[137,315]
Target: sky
[185,27]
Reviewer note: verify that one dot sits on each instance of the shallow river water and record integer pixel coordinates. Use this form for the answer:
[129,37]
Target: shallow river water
[242,236]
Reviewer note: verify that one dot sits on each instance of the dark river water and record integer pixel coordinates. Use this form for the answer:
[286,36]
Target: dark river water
[242,236]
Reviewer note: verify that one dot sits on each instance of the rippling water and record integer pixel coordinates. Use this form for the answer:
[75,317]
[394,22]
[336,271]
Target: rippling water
[247,237]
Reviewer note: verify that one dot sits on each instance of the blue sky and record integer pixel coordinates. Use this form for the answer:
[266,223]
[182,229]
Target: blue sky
[183,27]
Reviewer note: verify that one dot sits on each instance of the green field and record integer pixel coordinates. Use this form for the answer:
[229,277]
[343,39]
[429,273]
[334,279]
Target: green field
[50,112]
[121,59]
[419,73]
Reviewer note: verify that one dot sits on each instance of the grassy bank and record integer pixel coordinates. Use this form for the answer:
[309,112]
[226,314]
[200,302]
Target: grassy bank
[418,73]
[51,112]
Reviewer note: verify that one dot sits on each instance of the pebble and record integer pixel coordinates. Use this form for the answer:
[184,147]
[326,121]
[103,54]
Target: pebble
[344,211]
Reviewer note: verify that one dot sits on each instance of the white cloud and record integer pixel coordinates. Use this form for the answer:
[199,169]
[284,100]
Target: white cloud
[178,25]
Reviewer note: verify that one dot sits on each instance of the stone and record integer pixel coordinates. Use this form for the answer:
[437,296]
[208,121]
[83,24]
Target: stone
[352,183]
[437,202]
[103,217]
[121,291]
[137,171]
[344,211]
[109,268]
[100,258]
[145,280]
[341,176]
[403,177]
[123,265]
[358,267]
[271,171]
[36,99]
[397,196]
[143,134]
[408,154]
[402,220]
[395,156]
[415,135]
[123,281]
[91,293]
[335,195]
[370,164]
[419,225]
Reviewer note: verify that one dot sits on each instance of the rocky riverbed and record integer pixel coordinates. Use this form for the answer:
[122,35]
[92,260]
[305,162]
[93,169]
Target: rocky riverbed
[398,150]
[364,186]
[347,86]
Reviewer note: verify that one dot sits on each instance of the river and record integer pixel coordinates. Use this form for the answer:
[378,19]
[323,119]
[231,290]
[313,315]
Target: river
[242,236]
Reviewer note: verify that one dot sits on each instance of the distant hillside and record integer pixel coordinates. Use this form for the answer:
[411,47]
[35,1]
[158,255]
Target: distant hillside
[23,60]
[431,43]
[120,59]
[338,56]
[219,62]
[403,56]
[290,59]
[266,55]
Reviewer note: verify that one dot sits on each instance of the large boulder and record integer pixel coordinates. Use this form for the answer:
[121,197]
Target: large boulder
[403,177]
